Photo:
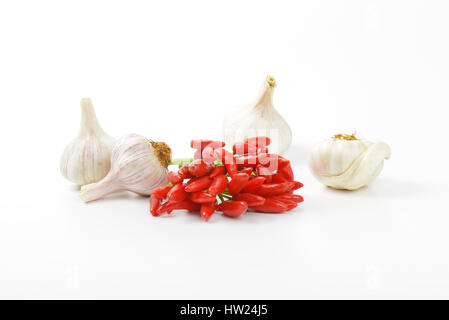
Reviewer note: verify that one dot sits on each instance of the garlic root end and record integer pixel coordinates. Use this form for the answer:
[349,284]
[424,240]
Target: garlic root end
[162,152]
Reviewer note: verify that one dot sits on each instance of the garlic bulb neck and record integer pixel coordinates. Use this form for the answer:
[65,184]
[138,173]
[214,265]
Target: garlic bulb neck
[89,121]
[265,97]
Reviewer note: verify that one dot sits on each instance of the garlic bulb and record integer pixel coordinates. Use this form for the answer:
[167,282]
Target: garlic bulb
[137,164]
[259,118]
[345,162]
[87,158]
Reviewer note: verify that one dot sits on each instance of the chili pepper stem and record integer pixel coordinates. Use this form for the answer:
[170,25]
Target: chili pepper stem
[186,161]
[181,161]
[226,194]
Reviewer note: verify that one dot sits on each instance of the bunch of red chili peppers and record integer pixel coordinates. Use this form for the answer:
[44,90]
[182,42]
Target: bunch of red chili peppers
[218,180]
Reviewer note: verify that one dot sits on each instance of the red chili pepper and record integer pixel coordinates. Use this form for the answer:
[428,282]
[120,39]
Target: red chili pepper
[274,161]
[218,185]
[290,197]
[197,155]
[217,171]
[184,173]
[263,171]
[297,185]
[287,172]
[282,161]
[177,193]
[273,189]
[247,171]
[278,178]
[161,192]
[232,208]
[250,199]
[155,202]
[207,210]
[201,144]
[263,150]
[228,160]
[216,144]
[185,204]
[265,182]
[269,179]
[271,206]
[247,161]
[223,155]
[199,168]
[237,183]
[202,197]
[198,184]
[208,154]
[244,148]
[290,204]
[253,184]
[259,142]
[174,178]
[192,180]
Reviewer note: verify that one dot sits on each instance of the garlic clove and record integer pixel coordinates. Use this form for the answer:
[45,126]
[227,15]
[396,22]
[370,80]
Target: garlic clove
[348,164]
[137,164]
[332,157]
[259,118]
[364,170]
[87,158]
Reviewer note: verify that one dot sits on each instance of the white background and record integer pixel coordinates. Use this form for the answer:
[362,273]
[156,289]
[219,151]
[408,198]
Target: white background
[168,70]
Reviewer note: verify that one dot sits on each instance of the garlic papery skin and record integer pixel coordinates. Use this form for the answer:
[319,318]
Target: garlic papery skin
[87,158]
[345,162]
[259,118]
[137,164]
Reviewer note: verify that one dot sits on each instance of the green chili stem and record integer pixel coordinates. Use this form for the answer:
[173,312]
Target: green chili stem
[181,161]
[186,161]
[227,194]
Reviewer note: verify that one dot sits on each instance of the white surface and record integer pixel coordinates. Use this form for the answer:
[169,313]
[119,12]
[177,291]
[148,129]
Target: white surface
[168,70]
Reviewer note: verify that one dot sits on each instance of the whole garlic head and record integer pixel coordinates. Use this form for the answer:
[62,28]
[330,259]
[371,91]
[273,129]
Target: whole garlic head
[345,162]
[259,118]
[87,158]
[137,164]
